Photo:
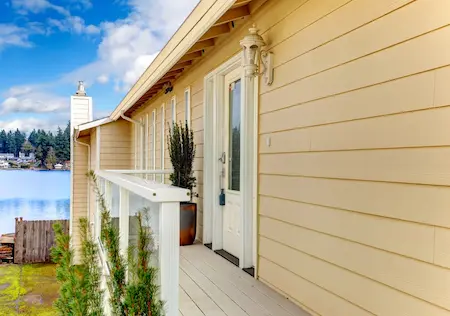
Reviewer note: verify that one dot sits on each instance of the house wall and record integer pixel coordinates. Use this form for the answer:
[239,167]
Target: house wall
[353,192]
[195,84]
[93,166]
[354,188]
[80,112]
[79,191]
[116,148]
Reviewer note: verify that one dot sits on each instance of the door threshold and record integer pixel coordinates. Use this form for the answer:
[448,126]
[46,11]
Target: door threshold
[228,256]
[250,271]
[234,260]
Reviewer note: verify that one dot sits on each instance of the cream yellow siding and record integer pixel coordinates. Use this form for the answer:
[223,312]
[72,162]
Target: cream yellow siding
[79,191]
[93,166]
[353,154]
[116,146]
[353,189]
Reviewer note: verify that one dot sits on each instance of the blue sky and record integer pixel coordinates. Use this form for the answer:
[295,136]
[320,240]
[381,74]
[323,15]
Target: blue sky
[46,46]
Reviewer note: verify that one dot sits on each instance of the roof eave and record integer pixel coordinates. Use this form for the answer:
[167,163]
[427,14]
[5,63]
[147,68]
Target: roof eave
[194,27]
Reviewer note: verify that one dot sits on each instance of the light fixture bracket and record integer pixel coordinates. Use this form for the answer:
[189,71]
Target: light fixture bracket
[253,54]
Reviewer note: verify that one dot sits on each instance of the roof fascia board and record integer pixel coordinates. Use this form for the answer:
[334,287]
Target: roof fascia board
[89,125]
[198,23]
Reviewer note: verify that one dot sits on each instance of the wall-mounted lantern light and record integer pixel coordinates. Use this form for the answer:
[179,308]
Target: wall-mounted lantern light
[251,44]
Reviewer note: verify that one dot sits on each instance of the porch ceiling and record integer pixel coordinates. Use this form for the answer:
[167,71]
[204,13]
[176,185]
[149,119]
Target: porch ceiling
[241,9]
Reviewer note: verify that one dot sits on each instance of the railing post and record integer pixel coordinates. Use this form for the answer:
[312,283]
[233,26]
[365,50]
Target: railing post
[169,247]
[124,219]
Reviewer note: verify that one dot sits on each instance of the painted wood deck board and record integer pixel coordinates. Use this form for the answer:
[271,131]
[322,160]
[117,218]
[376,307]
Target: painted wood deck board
[211,286]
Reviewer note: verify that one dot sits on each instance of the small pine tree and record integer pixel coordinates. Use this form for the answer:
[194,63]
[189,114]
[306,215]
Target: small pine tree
[62,254]
[110,238]
[142,290]
[80,293]
[138,297]
[89,272]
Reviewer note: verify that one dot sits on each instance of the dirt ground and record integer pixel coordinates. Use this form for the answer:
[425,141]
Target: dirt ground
[28,289]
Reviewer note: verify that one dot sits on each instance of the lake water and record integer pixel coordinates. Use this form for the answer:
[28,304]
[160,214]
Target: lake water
[33,195]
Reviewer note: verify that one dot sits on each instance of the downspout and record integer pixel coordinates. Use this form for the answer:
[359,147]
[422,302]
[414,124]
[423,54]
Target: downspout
[89,169]
[141,125]
[129,119]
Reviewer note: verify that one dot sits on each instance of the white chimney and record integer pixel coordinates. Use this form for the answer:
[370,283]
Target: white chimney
[80,112]
[80,107]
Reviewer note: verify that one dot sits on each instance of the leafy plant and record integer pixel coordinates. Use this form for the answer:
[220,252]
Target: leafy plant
[80,292]
[182,153]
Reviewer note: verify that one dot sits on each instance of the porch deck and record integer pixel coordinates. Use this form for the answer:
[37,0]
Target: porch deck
[212,286]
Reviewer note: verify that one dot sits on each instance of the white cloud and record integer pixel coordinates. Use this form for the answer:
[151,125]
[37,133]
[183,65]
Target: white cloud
[102,79]
[73,24]
[30,99]
[37,6]
[13,35]
[69,22]
[129,45]
[28,124]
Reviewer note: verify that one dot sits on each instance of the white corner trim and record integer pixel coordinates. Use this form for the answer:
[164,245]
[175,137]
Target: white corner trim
[98,144]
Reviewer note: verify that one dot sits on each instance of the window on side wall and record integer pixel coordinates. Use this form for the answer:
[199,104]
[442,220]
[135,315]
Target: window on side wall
[153,142]
[173,105]
[187,105]
[136,146]
[146,142]
[162,139]
[141,144]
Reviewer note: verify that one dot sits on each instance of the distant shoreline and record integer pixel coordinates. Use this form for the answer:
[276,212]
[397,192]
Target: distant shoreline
[20,169]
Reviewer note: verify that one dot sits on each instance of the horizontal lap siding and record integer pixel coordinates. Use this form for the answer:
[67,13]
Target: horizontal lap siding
[116,146]
[79,191]
[354,151]
[93,166]
[196,86]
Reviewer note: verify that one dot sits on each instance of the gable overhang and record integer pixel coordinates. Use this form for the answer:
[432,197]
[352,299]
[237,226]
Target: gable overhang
[209,20]
[85,129]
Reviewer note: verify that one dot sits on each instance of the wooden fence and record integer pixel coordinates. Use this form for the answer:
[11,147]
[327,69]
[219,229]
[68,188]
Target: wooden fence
[34,239]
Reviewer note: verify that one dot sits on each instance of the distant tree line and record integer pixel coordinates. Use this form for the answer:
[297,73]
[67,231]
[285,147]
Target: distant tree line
[49,148]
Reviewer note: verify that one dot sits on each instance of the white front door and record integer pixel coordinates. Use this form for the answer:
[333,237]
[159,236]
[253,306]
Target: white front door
[231,172]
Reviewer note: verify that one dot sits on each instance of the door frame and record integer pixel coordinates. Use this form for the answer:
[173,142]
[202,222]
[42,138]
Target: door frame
[213,144]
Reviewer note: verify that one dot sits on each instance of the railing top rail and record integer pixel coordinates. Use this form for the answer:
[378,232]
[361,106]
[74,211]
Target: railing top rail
[148,189]
[141,171]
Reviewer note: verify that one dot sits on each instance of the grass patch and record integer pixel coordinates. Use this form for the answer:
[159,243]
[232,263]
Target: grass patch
[37,289]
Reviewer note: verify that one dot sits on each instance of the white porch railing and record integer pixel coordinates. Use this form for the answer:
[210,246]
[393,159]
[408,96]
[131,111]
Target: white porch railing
[125,195]
[157,175]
